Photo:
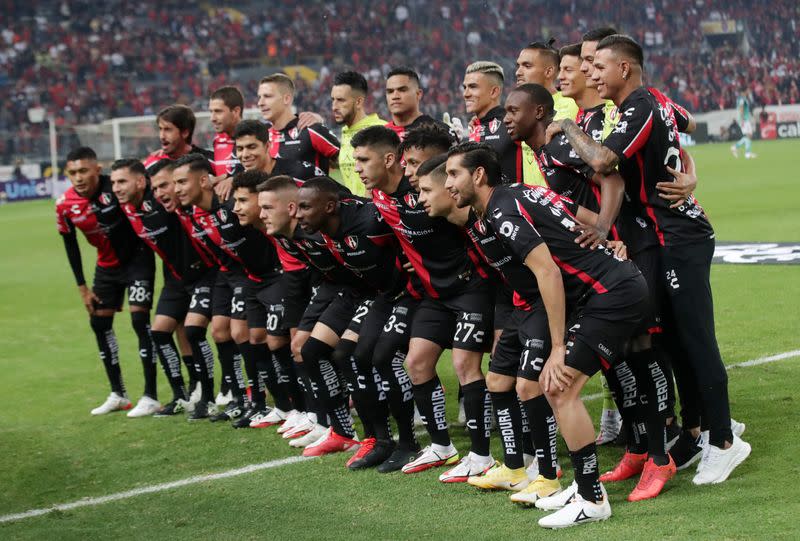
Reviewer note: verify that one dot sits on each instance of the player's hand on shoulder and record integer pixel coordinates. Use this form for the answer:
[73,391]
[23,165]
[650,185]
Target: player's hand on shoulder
[306,119]
[223,187]
[552,130]
[590,236]
[678,190]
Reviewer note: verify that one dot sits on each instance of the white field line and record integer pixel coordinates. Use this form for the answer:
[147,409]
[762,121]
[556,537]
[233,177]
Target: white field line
[161,487]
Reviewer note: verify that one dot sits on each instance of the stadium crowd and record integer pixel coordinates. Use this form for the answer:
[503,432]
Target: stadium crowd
[86,65]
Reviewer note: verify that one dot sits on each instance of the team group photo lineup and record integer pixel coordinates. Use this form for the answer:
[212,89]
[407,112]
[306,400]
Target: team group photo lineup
[412,273]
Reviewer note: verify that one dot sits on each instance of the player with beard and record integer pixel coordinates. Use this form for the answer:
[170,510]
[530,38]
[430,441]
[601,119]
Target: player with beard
[123,262]
[403,96]
[226,106]
[348,95]
[538,63]
[483,90]
[176,125]
[645,147]
[188,271]
[312,146]
[455,311]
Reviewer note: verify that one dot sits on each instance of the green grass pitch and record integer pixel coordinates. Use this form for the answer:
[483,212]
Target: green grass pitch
[54,452]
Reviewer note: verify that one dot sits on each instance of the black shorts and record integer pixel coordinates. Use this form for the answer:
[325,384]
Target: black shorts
[297,287]
[503,305]
[462,322]
[331,305]
[178,298]
[362,309]
[605,324]
[524,345]
[649,263]
[265,308]
[136,275]
[228,298]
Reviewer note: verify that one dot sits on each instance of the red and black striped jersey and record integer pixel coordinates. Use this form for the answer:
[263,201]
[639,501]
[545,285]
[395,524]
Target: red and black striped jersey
[436,248]
[491,130]
[155,157]
[308,149]
[102,221]
[417,122]
[225,162]
[566,174]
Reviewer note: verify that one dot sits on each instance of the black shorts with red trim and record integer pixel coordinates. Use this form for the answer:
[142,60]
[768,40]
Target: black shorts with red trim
[178,298]
[461,321]
[524,345]
[136,275]
[649,263]
[228,298]
[265,307]
[605,324]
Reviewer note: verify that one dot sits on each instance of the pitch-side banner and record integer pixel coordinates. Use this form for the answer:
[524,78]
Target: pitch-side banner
[757,253]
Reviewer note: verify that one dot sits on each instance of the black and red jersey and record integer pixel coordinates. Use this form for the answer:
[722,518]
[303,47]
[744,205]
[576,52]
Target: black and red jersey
[159,155]
[225,162]
[592,121]
[238,247]
[526,216]
[417,122]
[514,274]
[300,171]
[102,221]
[434,247]
[366,245]
[646,141]
[566,174]
[491,130]
[307,149]
[681,114]
[163,233]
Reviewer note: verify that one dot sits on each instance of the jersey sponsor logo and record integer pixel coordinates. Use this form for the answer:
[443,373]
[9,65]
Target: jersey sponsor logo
[351,241]
[494,125]
[410,199]
[75,209]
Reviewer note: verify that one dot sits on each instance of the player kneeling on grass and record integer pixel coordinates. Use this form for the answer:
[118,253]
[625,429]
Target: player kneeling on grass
[606,297]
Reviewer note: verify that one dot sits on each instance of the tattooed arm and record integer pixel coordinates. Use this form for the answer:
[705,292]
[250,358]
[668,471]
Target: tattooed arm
[601,159]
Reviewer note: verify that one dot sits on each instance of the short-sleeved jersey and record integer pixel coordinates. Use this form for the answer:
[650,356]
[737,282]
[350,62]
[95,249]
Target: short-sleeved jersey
[568,175]
[163,233]
[299,171]
[347,163]
[646,140]
[102,221]
[313,146]
[681,114]
[366,245]
[198,236]
[593,123]
[492,250]
[491,130]
[434,247]
[225,161]
[526,216]
[159,155]
[417,122]
[241,247]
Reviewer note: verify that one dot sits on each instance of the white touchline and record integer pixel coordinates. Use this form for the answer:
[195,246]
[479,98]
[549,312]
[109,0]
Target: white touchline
[89,502]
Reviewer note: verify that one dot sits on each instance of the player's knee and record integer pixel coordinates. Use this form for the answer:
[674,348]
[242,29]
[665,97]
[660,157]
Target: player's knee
[343,351]
[161,338]
[140,321]
[276,342]
[296,346]
[468,368]
[258,336]
[314,350]
[195,334]
[420,369]
[240,334]
[497,383]
[101,324]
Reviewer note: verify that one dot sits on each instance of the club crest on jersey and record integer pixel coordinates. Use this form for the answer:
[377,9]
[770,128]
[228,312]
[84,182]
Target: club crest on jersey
[147,207]
[481,227]
[410,199]
[106,198]
[293,133]
[494,125]
[223,215]
[351,241]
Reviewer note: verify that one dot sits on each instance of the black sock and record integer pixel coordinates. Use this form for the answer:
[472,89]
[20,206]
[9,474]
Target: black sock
[141,326]
[238,382]
[587,476]
[429,397]
[399,395]
[288,380]
[277,382]
[653,382]
[509,424]
[527,437]
[253,354]
[478,408]
[230,359]
[329,388]
[170,362]
[624,387]
[305,385]
[203,360]
[189,363]
[543,426]
[109,351]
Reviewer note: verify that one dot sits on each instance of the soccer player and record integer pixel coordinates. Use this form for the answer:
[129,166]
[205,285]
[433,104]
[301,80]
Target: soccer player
[268,356]
[348,95]
[645,147]
[511,380]
[744,115]
[252,143]
[483,90]
[176,125]
[456,310]
[188,271]
[314,144]
[227,107]
[123,262]
[538,63]
[403,96]
[600,295]
[421,144]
